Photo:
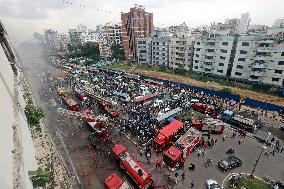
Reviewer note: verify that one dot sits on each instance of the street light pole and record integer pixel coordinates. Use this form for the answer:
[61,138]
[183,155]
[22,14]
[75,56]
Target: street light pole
[256,162]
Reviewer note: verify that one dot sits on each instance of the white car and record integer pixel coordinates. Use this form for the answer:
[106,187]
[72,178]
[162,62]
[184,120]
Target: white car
[212,184]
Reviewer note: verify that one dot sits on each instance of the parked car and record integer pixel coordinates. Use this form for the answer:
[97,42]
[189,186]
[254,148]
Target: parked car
[212,184]
[229,163]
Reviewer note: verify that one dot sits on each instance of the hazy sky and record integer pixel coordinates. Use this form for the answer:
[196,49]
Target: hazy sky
[23,17]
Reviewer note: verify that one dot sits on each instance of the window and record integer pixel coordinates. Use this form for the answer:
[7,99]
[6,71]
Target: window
[222,57]
[196,61]
[282,54]
[142,51]
[221,64]
[195,67]
[210,50]
[220,71]
[196,55]
[243,52]
[240,67]
[198,49]
[245,44]
[223,51]
[225,43]
[241,59]
[278,71]
[275,79]
[253,77]
[198,43]
[281,63]
[238,73]
[211,43]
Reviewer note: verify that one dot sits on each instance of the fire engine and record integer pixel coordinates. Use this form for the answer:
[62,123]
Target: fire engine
[107,108]
[113,181]
[71,103]
[140,175]
[168,135]
[203,108]
[81,95]
[176,155]
[100,129]
[210,125]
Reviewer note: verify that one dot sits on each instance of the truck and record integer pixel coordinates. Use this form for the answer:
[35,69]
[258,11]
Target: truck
[71,103]
[209,125]
[168,135]
[164,117]
[107,108]
[203,108]
[99,129]
[239,121]
[113,181]
[139,174]
[176,155]
[81,95]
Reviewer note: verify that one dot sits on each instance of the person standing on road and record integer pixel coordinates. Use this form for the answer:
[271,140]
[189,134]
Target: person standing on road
[224,137]
[203,152]
[176,177]
[198,152]
[141,152]
[183,176]
[192,184]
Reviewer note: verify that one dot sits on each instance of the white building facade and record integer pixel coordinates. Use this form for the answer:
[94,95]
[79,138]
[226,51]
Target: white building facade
[180,51]
[144,50]
[212,55]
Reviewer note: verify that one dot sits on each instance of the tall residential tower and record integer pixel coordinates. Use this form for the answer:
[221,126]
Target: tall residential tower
[136,23]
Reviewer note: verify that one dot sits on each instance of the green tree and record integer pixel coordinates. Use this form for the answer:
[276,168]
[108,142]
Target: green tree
[118,52]
[39,177]
[33,114]
[87,50]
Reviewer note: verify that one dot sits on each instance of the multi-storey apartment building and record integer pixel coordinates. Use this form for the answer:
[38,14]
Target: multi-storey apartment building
[134,24]
[160,51]
[180,51]
[213,54]
[55,40]
[112,33]
[244,55]
[268,66]
[144,50]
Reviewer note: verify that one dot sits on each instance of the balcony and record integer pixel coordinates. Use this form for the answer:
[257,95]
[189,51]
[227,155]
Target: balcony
[267,41]
[259,73]
[270,49]
[264,58]
[259,65]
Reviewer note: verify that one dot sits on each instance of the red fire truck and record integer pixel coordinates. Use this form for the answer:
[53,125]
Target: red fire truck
[107,108]
[203,108]
[71,103]
[210,125]
[99,128]
[115,182]
[78,93]
[145,99]
[87,111]
[176,154]
[140,175]
[168,135]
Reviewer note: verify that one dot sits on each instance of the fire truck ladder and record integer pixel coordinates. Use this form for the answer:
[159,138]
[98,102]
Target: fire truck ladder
[91,93]
[80,115]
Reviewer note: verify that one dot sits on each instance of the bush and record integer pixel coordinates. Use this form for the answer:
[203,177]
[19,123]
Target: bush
[33,114]
[39,177]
